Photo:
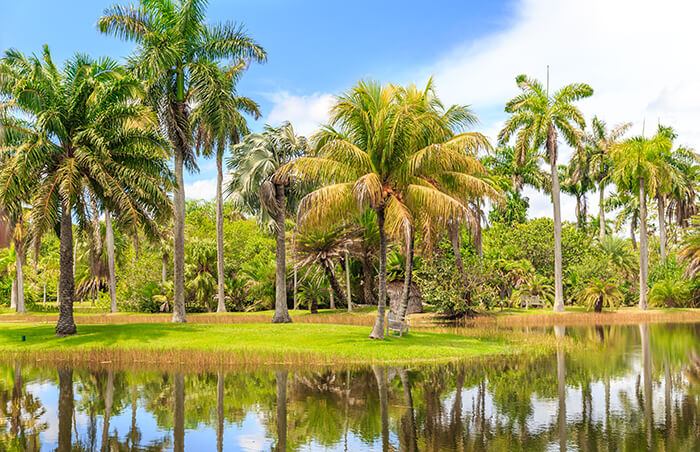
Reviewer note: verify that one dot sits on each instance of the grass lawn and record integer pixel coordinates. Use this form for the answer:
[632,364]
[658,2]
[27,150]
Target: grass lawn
[251,343]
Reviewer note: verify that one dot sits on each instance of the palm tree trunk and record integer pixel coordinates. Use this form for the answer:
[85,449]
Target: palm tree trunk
[561,389]
[646,371]
[109,400]
[179,413]
[65,408]
[109,238]
[367,280]
[164,271]
[601,209]
[476,231]
[66,325]
[333,281]
[378,329]
[408,278]
[643,253]
[453,231]
[633,237]
[220,231]
[19,253]
[380,376]
[220,411]
[410,429]
[662,225]
[281,411]
[332,306]
[281,311]
[556,203]
[179,315]
[347,280]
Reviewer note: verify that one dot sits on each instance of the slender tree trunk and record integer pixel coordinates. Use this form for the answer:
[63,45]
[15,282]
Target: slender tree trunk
[65,408]
[164,268]
[662,225]
[44,299]
[179,413]
[410,429]
[19,253]
[453,231]
[556,203]
[646,370]
[109,400]
[367,279]
[220,411]
[633,236]
[347,280]
[378,329]
[294,247]
[220,231]
[643,252]
[561,389]
[333,281]
[66,325]
[281,411]
[408,277]
[476,232]
[179,315]
[281,311]
[332,306]
[13,293]
[601,209]
[380,375]
[109,238]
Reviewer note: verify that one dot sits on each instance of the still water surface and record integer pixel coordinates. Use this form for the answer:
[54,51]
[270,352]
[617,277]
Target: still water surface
[635,388]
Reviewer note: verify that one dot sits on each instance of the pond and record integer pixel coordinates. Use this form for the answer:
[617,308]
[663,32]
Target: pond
[633,388]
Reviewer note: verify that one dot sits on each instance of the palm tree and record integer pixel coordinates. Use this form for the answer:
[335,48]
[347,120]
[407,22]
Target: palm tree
[690,253]
[574,181]
[521,170]
[258,188]
[89,137]
[628,213]
[618,253]
[639,165]
[600,292]
[370,156]
[600,142]
[219,124]
[536,117]
[178,54]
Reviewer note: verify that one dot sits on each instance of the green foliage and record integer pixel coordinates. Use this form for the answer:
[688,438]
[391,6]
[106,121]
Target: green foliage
[513,211]
[599,293]
[670,293]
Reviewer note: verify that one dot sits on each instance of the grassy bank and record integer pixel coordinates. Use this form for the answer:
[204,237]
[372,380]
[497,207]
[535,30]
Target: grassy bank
[210,345]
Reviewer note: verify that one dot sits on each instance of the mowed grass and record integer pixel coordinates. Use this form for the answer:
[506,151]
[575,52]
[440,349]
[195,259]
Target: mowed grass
[243,344]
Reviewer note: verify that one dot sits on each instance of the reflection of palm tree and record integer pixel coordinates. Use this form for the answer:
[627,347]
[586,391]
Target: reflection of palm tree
[179,412]
[409,421]
[646,370]
[219,411]
[560,332]
[65,408]
[281,410]
[380,375]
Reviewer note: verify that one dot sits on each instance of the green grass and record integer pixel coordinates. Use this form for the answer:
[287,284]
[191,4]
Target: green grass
[244,343]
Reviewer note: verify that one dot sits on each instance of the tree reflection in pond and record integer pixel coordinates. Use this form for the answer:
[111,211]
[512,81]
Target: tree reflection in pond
[632,388]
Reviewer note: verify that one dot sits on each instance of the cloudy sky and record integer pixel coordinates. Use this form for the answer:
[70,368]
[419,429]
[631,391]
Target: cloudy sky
[640,56]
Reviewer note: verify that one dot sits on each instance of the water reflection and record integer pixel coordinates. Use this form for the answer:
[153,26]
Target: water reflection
[634,388]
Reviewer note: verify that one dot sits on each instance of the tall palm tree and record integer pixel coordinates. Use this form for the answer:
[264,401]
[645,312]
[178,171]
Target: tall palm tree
[258,188]
[219,124]
[640,166]
[88,137]
[628,206]
[600,141]
[177,54]
[522,170]
[536,117]
[575,181]
[369,157]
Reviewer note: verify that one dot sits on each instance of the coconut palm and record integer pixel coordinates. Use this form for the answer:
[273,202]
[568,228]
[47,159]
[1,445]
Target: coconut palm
[600,292]
[369,157]
[257,188]
[690,252]
[600,142]
[88,137]
[177,55]
[640,166]
[522,170]
[218,125]
[536,118]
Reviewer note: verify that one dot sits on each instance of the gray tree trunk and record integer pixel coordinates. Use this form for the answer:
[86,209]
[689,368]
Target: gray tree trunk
[281,312]
[643,252]
[601,209]
[378,329]
[111,266]
[164,275]
[179,315]
[662,225]
[556,203]
[221,307]
[408,277]
[66,324]
[347,280]
[13,293]
[633,237]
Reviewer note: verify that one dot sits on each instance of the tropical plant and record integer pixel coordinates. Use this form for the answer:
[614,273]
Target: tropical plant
[627,206]
[178,56]
[88,137]
[600,292]
[618,253]
[670,293]
[640,166]
[536,117]
[690,251]
[573,183]
[535,286]
[199,270]
[521,170]
[600,142]
[258,188]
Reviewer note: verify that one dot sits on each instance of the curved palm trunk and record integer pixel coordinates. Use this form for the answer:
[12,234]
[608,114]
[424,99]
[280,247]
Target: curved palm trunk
[281,311]
[556,204]
[281,411]
[109,239]
[408,278]
[179,315]
[66,325]
[378,329]
[65,408]
[335,285]
[601,209]
[662,225]
[220,232]
[179,413]
[643,253]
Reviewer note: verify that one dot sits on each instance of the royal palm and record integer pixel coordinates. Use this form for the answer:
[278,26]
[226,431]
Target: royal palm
[536,119]
[178,54]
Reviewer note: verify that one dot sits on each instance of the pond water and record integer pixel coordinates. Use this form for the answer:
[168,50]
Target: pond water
[634,388]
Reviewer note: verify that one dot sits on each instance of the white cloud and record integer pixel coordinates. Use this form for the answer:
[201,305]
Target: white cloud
[204,189]
[638,55]
[305,113]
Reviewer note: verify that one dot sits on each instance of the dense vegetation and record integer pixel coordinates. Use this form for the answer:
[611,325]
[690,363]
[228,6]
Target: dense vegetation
[396,188]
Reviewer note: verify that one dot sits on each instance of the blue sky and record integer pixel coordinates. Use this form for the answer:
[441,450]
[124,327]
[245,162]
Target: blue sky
[639,55]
